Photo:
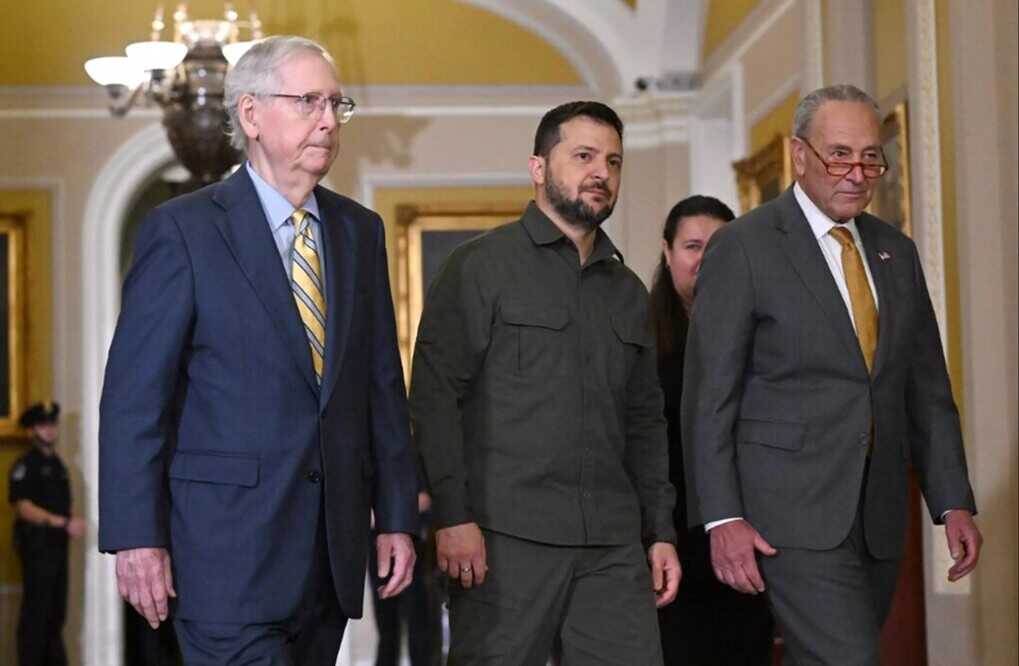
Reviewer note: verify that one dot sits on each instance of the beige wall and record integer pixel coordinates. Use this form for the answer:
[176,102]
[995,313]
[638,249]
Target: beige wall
[654,179]
[984,73]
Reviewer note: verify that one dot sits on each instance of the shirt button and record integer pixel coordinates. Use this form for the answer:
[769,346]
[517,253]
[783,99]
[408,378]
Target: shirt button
[587,494]
[314,476]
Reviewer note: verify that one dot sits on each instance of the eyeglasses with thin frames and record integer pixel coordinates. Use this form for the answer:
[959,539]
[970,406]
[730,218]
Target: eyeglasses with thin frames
[312,103]
[841,169]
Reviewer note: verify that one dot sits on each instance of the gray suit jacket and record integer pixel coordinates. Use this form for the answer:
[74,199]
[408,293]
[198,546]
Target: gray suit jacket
[778,405]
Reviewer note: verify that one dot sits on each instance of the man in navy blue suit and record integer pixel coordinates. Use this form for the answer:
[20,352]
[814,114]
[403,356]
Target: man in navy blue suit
[254,411]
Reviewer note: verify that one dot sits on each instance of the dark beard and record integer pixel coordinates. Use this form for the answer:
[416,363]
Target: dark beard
[574,211]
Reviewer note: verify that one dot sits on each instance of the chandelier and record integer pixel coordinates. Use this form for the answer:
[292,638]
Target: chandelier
[185,78]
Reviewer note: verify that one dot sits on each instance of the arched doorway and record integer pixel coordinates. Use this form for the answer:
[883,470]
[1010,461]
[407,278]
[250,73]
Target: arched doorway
[115,190]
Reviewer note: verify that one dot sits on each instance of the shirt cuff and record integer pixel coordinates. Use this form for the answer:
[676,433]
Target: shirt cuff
[715,523]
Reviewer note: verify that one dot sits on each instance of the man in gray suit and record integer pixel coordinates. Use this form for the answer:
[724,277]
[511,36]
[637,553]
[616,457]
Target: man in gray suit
[815,379]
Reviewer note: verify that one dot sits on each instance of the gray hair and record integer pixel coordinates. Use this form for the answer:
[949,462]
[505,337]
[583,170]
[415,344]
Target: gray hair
[255,74]
[808,106]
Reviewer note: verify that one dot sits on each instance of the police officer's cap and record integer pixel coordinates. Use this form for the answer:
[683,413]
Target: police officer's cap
[40,412]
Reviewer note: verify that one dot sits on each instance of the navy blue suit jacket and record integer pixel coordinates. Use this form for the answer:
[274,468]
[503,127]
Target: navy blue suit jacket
[215,440]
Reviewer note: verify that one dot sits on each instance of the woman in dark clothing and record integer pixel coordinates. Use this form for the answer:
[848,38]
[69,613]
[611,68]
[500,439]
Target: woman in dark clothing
[709,623]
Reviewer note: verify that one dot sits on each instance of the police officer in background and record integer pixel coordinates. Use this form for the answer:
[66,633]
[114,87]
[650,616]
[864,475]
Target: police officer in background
[41,494]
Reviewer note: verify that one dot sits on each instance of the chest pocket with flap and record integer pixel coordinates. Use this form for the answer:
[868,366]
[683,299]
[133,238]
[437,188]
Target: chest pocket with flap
[540,335]
[632,338]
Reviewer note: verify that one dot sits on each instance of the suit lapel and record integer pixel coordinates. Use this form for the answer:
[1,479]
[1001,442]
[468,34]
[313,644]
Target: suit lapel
[340,239]
[247,233]
[805,256]
[886,308]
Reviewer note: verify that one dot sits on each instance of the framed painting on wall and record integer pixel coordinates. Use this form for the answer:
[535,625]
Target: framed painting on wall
[765,174]
[891,191]
[12,328]
[425,235]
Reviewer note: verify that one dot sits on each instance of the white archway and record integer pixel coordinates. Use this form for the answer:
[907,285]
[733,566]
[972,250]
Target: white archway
[609,43]
[108,204]
[591,54]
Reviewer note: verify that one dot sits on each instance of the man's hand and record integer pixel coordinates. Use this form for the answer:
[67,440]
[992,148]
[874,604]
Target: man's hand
[964,541]
[665,572]
[75,527]
[732,555]
[396,560]
[461,553]
[145,581]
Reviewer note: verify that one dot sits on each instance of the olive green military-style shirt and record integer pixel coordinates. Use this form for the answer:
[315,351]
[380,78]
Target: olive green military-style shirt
[534,395]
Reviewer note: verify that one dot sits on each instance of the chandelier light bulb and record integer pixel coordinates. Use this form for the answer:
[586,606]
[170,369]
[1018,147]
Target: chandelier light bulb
[115,70]
[148,56]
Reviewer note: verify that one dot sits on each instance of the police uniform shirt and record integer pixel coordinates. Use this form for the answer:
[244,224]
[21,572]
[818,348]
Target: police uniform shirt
[42,480]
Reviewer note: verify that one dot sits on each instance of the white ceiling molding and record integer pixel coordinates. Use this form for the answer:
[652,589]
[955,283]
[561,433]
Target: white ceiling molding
[610,44]
[654,120]
[589,53]
[682,35]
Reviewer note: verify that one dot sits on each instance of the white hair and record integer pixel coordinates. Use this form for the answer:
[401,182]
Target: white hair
[808,106]
[255,74]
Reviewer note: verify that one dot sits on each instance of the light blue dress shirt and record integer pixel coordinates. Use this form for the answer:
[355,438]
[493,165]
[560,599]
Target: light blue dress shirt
[277,212]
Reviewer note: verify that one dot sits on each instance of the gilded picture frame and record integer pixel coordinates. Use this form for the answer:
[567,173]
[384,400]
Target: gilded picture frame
[765,174]
[424,236]
[13,327]
[891,200]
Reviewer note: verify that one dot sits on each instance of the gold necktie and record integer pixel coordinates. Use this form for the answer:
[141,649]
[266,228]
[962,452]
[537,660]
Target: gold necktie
[860,295]
[306,282]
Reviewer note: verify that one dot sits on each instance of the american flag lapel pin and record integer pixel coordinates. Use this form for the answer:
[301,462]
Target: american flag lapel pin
[884,256]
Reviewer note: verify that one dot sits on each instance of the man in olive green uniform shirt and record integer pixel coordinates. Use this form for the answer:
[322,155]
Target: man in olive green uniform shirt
[538,414]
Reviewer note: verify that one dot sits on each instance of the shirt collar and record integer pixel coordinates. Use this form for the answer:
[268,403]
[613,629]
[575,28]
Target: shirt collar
[541,229]
[544,232]
[820,224]
[277,209]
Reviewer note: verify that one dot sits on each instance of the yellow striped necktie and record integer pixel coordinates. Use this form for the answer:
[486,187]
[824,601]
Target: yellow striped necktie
[306,282]
[860,296]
